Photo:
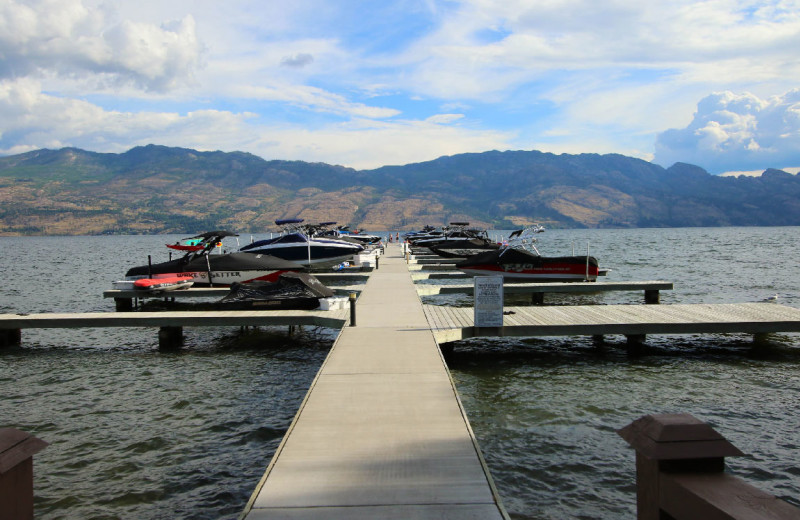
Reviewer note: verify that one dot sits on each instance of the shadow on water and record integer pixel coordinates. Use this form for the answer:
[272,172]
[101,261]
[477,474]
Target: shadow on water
[497,352]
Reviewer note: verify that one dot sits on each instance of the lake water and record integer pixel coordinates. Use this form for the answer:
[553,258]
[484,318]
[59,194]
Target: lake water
[138,433]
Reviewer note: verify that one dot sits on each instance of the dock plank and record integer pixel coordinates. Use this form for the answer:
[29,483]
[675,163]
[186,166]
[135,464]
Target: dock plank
[381,433]
[749,318]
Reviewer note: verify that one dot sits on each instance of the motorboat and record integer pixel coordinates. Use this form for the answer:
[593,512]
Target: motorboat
[356,236]
[298,244]
[521,260]
[458,240]
[290,291]
[464,248]
[207,268]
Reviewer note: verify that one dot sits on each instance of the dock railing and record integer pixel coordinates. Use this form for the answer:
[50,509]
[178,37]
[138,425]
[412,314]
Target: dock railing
[680,463]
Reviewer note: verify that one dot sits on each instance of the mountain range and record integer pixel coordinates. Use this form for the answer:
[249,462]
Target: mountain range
[157,189]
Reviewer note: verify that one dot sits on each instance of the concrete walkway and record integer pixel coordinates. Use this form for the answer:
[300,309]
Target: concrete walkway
[381,433]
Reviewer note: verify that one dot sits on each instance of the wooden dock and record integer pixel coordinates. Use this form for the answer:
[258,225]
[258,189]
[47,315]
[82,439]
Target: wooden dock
[170,324]
[632,321]
[538,290]
[381,433]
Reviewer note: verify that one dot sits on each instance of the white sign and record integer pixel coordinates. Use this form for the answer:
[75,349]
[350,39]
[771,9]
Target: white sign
[488,301]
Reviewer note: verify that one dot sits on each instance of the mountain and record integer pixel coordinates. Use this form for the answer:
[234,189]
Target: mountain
[157,189]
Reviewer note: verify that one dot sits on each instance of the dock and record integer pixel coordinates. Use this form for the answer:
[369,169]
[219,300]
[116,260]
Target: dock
[538,290]
[632,321]
[381,433]
[170,324]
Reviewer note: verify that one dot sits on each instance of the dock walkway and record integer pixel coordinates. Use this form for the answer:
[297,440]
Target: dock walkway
[381,433]
[633,321]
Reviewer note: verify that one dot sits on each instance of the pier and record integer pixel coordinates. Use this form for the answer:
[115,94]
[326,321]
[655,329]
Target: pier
[632,321]
[538,290]
[381,433]
[170,324]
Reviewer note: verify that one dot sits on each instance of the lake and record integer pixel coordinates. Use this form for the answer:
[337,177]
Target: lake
[139,433]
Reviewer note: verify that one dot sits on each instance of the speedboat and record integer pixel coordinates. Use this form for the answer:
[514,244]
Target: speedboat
[207,268]
[521,260]
[461,242]
[458,240]
[299,244]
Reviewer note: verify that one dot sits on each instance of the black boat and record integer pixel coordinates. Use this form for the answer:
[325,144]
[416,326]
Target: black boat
[207,268]
[289,291]
[521,260]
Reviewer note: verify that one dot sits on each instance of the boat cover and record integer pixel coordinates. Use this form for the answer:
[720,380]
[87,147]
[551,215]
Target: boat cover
[289,291]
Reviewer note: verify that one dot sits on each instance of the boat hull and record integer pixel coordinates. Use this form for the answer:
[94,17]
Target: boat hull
[219,270]
[463,248]
[321,253]
[521,265]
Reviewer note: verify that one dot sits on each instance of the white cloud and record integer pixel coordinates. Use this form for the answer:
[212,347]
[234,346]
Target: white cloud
[31,119]
[737,132]
[64,37]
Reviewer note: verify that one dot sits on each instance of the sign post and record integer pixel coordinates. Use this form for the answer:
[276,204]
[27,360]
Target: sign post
[488,301]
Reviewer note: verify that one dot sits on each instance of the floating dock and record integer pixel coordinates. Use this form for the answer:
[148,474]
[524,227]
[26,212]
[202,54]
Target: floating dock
[632,321]
[381,433]
[538,290]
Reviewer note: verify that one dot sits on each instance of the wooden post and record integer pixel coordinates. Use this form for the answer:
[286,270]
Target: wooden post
[17,449]
[170,337]
[671,443]
[635,342]
[652,296]
[352,309]
[10,337]
[537,298]
[123,304]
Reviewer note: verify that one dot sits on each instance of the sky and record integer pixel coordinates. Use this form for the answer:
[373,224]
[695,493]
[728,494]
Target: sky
[371,83]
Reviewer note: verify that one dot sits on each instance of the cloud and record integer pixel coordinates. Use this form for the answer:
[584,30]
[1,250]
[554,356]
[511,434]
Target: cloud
[297,60]
[737,132]
[31,119]
[65,38]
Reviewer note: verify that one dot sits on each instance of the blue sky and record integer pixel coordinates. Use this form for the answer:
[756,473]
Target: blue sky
[367,83]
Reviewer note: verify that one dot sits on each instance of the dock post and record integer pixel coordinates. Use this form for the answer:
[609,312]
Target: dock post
[123,304]
[10,337]
[635,342]
[537,298]
[17,449]
[671,443]
[652,296]
[352,309]
[170,337]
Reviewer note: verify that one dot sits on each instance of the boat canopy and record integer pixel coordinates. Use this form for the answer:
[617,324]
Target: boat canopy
[218,233]
[284,222]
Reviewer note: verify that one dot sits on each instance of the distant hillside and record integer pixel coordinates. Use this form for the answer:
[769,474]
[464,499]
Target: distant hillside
[156,189]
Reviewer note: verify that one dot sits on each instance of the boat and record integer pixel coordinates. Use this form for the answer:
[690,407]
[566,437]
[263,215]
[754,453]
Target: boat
[220,269]
[344,233]
[298,244]
[290,291]
[458,240]
[173,282]
[521,260]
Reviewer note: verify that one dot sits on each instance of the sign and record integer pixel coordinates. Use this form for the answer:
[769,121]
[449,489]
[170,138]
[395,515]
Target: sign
[488,301]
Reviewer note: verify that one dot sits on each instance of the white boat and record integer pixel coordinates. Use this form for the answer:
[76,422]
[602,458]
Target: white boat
[297,244]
